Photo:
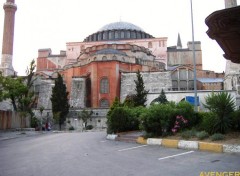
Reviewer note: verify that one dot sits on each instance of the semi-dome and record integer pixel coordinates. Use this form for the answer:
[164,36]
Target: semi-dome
[118,31]
[110,51]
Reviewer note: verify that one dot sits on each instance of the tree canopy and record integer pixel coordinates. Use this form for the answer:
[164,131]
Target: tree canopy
[19,90]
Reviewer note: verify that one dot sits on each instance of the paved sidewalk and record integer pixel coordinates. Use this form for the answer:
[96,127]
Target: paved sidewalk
[6,135]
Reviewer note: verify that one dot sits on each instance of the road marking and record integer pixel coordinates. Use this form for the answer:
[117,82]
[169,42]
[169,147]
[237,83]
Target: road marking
[185,153]
[103,141]
[132,148]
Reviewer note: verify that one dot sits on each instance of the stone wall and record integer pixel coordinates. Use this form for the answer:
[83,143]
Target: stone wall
[98,119]
[78,93]
[177,96]
[153,81]
[45,93]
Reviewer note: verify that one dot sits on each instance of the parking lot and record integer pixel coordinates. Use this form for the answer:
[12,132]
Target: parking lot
[89,153]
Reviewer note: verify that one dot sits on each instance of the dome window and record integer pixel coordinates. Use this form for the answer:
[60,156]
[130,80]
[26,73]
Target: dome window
[105,34]
[149,44]
[111,35]
[128,34]
[117,35]
[99,36]
[122,34]
[133,34]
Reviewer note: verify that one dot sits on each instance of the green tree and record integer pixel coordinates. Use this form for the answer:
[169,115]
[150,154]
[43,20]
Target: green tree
[59,100]
[141,94]
[161,98]
[13,89]
[85,116]
[19,90]
[28,98]
[222,104]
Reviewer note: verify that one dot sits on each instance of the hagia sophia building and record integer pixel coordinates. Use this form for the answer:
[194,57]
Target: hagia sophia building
[100,68]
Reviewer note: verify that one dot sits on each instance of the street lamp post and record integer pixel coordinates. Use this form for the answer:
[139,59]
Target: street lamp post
[194,62]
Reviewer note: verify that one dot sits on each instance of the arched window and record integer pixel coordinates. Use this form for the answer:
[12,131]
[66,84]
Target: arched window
[104,85]
[104,103]
[117,35]
[111,35]
[105,34]
[149,44]
[104,58]
[114,58]
[128,34]
[122,34]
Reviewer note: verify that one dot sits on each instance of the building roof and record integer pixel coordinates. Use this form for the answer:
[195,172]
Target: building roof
[120,25]
[118,31]
[210,80]
[110,51]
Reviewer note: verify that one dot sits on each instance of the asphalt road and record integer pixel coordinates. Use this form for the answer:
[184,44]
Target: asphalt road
[90,154]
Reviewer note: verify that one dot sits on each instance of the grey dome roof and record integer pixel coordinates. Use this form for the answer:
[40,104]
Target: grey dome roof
[118,31]
[120,25]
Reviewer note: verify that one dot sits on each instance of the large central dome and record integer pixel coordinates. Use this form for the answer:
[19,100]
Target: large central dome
[120,25]
[118,31]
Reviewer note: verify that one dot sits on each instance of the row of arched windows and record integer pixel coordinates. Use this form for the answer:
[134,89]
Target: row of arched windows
[117,34]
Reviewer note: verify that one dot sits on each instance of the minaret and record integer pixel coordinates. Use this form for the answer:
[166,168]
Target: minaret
[179,42]
[230,3]
[8,36]
[231,69]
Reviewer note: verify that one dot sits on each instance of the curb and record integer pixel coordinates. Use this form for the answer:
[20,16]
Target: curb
[210,147]
[182,144]
[192,145]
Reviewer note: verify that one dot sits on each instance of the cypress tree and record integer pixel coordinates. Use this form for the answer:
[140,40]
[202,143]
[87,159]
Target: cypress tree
[141,94]
[60,106]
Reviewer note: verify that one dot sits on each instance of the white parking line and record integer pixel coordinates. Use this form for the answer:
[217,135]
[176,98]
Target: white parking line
[185,153]
[132,148]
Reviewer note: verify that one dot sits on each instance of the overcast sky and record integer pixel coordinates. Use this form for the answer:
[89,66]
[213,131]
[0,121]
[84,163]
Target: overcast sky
[52,23]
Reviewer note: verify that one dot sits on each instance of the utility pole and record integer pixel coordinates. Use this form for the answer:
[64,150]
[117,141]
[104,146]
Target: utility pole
[194,63]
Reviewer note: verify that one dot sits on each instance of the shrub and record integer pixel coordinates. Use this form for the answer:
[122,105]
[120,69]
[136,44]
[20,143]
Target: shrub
[179,124]
[187,111]
[236,120]
[217,137]
[34,122]
[89,127]
[208,120]
[222,104]
[71,128]
[134,117]
[202,135]
[188,134]
[117,120]
[151,123]
[158,119]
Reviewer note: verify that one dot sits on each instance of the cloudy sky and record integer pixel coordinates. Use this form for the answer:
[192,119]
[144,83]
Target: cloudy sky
[52,23]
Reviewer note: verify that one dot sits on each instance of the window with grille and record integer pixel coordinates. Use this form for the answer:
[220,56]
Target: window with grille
[104,85]
[104,103]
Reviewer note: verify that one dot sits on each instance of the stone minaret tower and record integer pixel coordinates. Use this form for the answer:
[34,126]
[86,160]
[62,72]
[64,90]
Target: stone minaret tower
[8,35]
[230,3]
